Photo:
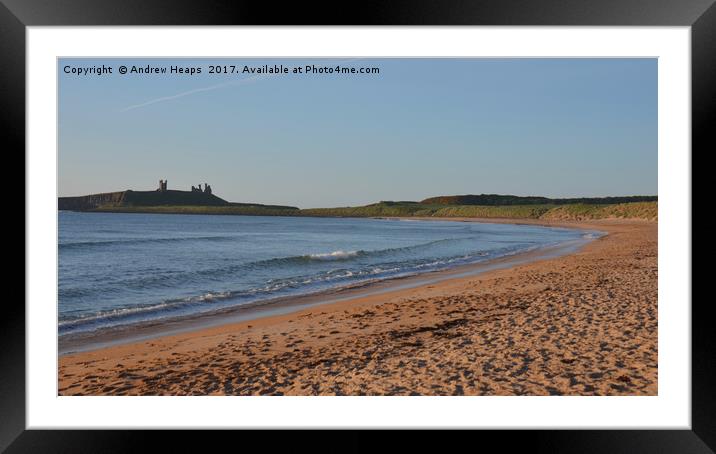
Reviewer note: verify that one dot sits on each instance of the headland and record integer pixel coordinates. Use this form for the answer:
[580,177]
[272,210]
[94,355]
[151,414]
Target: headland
[486,206]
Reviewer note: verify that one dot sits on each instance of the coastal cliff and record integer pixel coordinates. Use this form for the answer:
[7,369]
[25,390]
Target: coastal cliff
[131,198]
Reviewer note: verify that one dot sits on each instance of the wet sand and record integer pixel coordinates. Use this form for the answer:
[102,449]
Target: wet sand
[580,324]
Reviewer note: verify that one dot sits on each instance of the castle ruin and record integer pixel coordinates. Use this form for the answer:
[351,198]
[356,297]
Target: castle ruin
[206,190]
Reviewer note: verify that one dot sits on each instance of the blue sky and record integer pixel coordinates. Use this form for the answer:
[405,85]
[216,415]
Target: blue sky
[420,128]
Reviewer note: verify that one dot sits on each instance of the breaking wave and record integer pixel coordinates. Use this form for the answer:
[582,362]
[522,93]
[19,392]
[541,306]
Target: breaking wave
[335,255]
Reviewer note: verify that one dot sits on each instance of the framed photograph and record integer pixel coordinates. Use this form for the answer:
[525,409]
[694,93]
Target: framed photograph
[474,216]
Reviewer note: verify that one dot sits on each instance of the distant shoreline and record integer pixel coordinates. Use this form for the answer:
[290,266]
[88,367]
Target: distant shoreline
[566,212]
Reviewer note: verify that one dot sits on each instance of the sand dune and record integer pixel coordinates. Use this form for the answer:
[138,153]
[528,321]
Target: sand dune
[582,324]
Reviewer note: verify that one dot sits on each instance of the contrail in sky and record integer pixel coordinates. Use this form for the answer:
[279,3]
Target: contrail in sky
[210,88]
[191,92]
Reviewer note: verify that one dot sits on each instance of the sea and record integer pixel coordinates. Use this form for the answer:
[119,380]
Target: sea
[117,270]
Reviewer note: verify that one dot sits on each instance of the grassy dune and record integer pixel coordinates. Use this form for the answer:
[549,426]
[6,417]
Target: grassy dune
[512,211]
[581,211]
[398,209]
[636,210]
[503,200]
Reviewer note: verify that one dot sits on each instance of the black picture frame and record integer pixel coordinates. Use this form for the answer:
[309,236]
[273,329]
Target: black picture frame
[700,15]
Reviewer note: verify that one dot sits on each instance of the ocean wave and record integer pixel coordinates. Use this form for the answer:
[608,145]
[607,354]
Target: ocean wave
[109,314]
[124,312]
[348,255]
[208,300]
[271,288]
[291,276]
[156,279]
[131,241]
[335,255]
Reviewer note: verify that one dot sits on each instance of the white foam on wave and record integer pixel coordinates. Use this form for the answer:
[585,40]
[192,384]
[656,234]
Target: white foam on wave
[335,255]
[113,313]
[211,297]
[208,297]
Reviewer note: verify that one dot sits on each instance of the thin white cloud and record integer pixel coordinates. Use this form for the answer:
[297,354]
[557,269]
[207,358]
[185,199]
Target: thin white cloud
[191,92]
[244,81]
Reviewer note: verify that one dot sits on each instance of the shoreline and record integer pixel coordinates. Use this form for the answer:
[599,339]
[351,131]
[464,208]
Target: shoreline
[150,329]
[425,286]
[142,331]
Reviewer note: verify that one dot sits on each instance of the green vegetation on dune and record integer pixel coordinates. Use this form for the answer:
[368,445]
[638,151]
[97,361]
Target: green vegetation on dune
[502,200]
[403,209]
[510,211]
[634,210]
[381,209]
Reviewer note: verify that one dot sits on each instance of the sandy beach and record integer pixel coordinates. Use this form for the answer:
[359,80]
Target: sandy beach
[580,324]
